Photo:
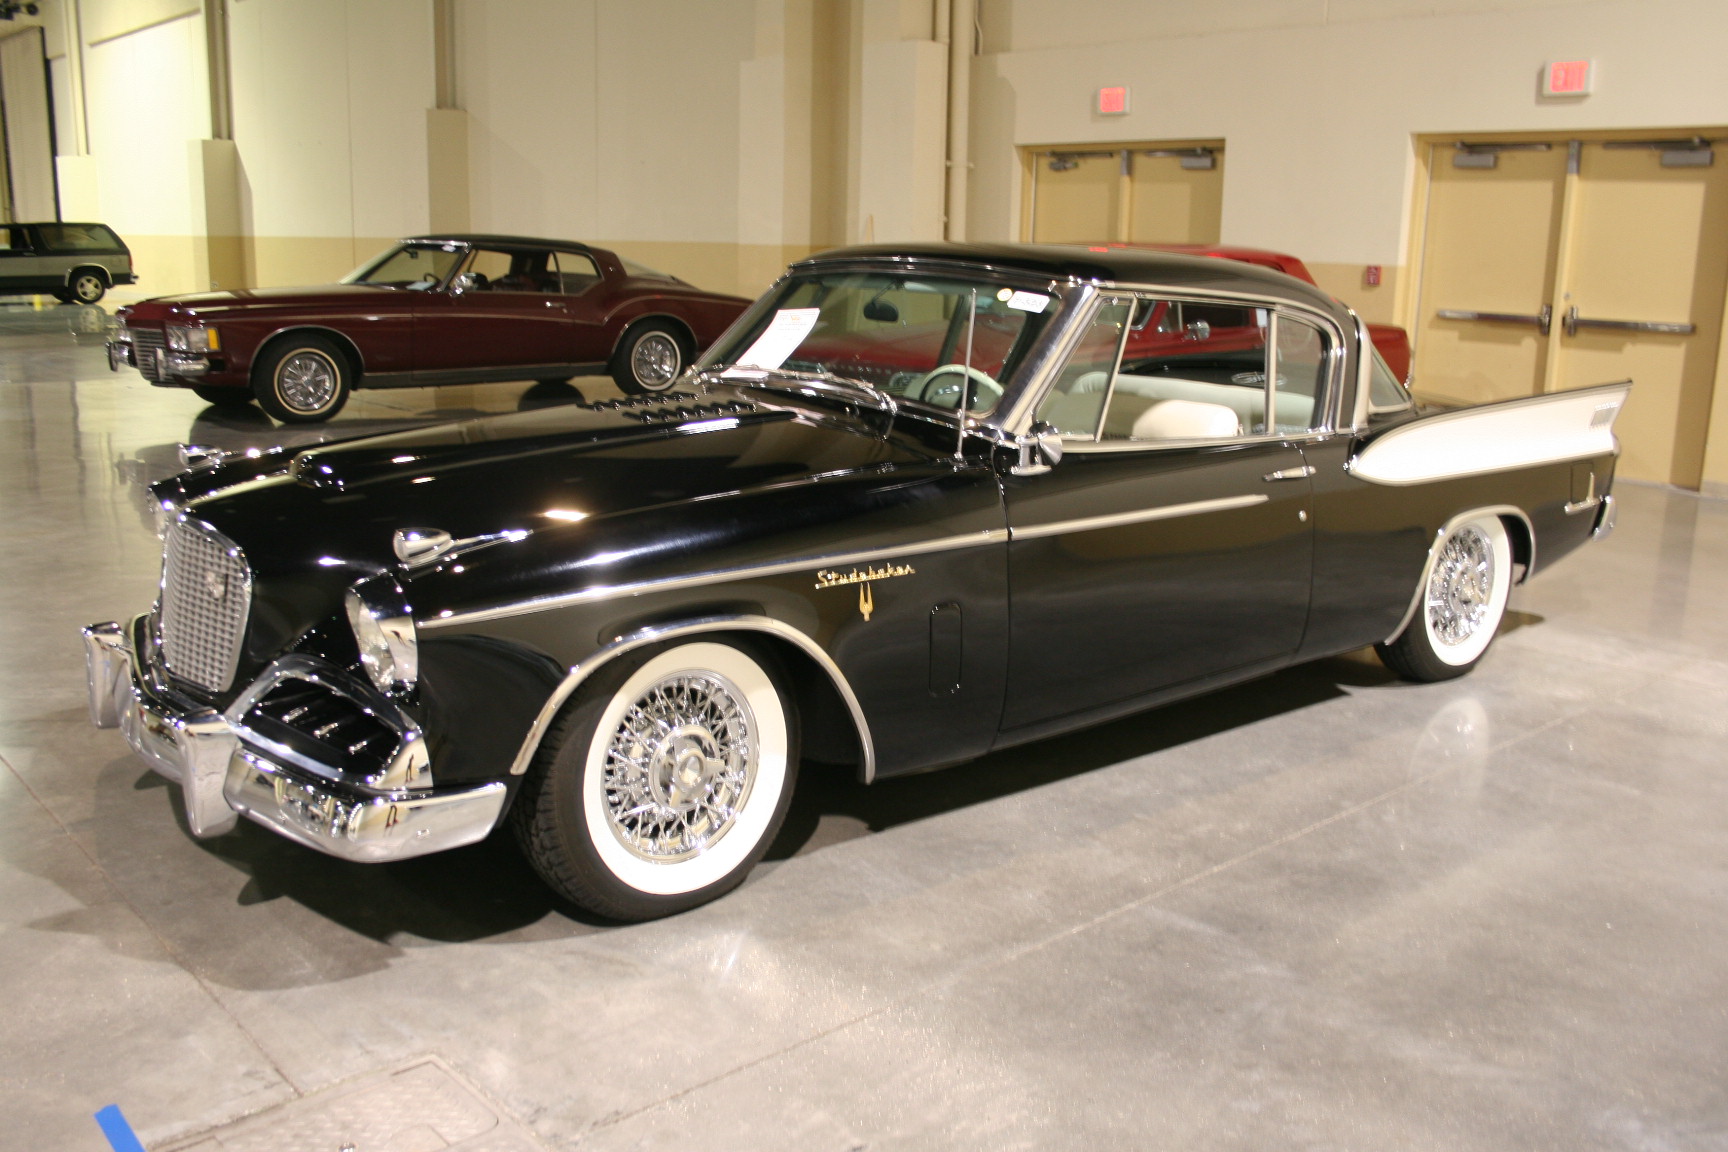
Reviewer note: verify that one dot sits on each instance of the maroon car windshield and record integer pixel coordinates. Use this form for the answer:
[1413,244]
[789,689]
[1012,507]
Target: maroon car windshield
[414,266]
[893,332]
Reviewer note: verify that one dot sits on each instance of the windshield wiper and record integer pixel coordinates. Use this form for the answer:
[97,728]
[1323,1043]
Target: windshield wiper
[815,375]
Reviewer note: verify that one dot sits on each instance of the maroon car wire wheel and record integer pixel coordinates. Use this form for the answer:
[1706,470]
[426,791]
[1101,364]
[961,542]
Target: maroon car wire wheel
[656,359]
[307,381]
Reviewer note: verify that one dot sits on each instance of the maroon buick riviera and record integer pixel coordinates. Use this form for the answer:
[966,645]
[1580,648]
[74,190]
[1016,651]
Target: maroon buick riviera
[446,309]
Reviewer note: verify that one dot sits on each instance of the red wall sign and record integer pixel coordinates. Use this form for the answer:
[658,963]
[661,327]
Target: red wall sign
[1113,101]
[1566,78]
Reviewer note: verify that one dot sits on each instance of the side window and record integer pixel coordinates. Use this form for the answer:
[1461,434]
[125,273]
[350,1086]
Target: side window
[1301,375]
[1076,399]
[576,273]
[1385,393]
[1198,374]
[519,271]
[77,237]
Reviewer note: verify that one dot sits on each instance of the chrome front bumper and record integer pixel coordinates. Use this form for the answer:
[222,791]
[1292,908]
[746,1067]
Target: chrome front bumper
[223,777]
[124,354]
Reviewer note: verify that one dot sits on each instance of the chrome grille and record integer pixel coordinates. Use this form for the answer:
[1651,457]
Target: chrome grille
[147,343]
[206,591]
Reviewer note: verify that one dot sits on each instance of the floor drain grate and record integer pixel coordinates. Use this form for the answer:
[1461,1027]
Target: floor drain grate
[420,1107]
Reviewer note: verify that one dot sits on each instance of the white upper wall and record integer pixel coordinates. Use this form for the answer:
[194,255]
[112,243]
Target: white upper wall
[605,119]
[1318,116]
[1029,25]
[330,100]
[147,102]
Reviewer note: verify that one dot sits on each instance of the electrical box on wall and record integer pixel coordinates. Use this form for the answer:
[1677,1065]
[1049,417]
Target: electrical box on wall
[1113,101]
[1568,77]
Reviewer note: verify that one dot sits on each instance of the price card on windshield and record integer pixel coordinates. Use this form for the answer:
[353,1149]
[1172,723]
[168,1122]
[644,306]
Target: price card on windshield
[782,336]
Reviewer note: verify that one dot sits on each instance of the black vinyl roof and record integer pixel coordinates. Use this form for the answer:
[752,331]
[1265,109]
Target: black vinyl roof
[1116,266]
[493,238]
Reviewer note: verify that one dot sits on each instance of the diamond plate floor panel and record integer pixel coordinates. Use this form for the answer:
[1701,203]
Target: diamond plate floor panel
[422,1106]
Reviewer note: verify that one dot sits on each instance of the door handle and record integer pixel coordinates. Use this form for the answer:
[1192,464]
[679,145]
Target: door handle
[1543,320]
[1575,322]
[1289,474]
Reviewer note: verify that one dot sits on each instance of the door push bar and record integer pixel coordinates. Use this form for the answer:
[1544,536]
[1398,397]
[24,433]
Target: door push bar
[1575,322]
[1543,319]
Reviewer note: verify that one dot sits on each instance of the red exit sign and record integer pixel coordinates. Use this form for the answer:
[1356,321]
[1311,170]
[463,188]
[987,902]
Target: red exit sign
[1567,77]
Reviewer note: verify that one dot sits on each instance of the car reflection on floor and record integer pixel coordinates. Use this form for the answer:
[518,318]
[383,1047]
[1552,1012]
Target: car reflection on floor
[239,431]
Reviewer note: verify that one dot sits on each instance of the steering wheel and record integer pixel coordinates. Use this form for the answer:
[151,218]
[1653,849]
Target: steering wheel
[940,387]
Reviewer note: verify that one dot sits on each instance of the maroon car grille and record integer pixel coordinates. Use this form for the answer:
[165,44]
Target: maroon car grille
[206,594]
[147,348]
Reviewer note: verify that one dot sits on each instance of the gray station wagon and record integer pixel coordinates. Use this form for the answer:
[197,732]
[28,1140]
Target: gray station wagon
[76,263]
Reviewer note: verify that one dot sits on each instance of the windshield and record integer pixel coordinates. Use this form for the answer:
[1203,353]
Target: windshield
[901,334]
[414,266]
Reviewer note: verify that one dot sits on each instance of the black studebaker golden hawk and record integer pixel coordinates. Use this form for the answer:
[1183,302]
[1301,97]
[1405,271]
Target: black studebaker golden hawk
[618,627]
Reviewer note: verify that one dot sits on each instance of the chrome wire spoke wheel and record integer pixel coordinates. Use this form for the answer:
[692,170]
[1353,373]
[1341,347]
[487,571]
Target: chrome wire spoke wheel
[1461,588]
[1458,605]
[680,767]
[656,359]
[664,780]
[307,381]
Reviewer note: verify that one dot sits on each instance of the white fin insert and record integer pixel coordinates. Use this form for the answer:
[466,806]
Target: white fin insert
[1497,437]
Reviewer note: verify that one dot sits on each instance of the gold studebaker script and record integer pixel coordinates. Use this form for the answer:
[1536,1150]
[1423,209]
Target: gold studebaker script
[830,579]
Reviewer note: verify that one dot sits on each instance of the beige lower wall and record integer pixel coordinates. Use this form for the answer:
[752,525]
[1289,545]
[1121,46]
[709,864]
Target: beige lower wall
[284,261]
[172,265]
[1377,305]
[741,269]
[164,265]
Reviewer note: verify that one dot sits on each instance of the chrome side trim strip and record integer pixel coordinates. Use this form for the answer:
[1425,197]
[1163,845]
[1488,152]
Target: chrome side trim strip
[622,644]
[699,579]
[1434,552]
[1167,512]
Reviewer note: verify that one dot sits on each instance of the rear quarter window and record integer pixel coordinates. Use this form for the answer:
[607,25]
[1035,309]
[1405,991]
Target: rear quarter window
[78,238]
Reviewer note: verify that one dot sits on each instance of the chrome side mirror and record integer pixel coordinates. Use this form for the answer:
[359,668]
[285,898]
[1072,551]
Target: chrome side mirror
[462,283]
[1039,451]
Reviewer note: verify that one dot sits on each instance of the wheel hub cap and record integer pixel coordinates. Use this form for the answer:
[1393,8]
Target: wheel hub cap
[655,360]
[1461,586]
[680,766]
[307,382]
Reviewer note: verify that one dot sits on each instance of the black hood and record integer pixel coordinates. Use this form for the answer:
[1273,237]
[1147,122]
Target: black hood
[542,499]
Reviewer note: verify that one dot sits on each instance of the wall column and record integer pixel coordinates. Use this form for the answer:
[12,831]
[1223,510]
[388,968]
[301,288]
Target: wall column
[448,202]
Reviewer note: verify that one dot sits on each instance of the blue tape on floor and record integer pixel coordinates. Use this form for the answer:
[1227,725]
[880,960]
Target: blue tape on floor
[120,1135]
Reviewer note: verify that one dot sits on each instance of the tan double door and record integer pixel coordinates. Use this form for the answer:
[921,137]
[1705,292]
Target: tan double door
[1150,193]
[1556,263]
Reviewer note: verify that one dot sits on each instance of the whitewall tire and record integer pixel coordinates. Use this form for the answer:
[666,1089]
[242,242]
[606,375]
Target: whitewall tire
[1461,604]
[664,782]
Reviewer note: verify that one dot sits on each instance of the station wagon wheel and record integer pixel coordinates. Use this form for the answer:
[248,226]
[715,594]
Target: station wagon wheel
[663,782]
[302,379]
[649,358]
[1463,600]
[85,287]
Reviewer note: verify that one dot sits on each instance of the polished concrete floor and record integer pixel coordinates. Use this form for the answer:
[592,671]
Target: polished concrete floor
[1326,910]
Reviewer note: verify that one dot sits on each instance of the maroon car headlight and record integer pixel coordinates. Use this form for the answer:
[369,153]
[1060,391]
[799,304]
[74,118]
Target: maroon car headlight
[384,633]
[187,338]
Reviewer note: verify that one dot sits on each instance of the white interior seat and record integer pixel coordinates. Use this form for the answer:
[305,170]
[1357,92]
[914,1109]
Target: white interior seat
[1186,420]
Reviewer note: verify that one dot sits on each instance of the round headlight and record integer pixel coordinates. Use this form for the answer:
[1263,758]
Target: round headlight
[385,637]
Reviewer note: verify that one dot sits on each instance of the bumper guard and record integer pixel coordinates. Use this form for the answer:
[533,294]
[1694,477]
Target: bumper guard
[223,778]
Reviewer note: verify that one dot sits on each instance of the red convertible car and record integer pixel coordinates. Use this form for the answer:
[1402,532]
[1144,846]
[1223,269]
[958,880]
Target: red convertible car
[446,309]
[1391,341]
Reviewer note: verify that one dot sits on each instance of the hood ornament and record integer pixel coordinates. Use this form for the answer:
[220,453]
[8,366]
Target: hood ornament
[420,545]
[416,547]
